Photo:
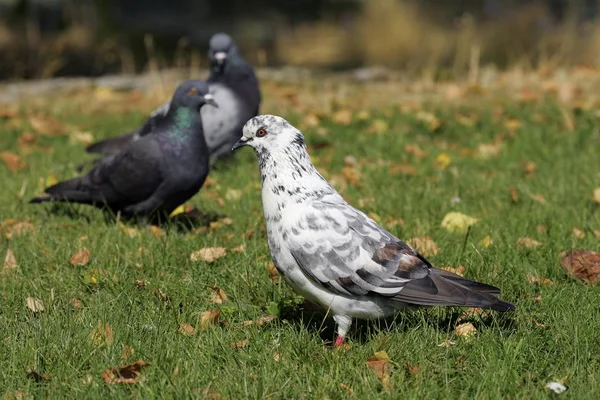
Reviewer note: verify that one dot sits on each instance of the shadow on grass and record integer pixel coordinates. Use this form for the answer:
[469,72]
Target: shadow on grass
[445,320]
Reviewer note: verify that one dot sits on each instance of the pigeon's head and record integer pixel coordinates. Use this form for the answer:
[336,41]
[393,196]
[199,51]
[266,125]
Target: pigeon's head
[193,94]
[221,46]
[269,133]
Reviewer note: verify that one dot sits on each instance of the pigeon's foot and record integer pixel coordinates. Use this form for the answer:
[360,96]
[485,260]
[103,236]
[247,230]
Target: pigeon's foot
[339,341]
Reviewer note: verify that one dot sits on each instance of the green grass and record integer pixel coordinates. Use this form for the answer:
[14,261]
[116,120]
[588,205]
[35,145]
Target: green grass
[510,357]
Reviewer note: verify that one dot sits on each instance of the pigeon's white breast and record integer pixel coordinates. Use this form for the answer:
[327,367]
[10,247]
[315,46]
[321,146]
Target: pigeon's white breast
[221,123]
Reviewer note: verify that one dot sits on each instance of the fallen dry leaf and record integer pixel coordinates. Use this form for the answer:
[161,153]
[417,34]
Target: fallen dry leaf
[466,329]
[488,150]
[578,233]
[352,175]
[539,198]
[528,243]
[539,281]
[342,117]
[413,370]
[208,318]
[514,196]
[458,270]
[187,330]
[433,123]
[75,302]
[424,245]
[471,312]
[126,374]
[529,167]
[140,283]
[486,241]
[415,151]
[48,126]
[346,388]
[101,334]
[208,254]
[273,275]
[379,363]
[241,344]
[160,294]
[596,195]
[443,161]
[218,295]
[378,126]
[582,264]
[13,228]
[239,249]
[457,222]
[13,162]
[80,258]
[403,169]
[81,137]
[35,305]
[156,231]
[10,262]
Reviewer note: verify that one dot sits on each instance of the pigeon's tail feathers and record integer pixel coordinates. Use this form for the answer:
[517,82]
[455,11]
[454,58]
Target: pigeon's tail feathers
[67,191]
[111,145]
[447,289]
[60,188]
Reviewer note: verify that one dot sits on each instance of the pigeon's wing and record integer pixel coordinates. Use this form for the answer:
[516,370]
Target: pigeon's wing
[344,250]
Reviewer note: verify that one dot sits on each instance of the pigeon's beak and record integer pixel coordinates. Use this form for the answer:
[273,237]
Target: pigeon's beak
[209,99]
[220,56]
[240,143]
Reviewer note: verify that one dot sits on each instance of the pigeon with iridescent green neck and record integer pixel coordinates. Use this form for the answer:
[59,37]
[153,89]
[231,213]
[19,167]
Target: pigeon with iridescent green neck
[335,255]
[155,174]
[235,87]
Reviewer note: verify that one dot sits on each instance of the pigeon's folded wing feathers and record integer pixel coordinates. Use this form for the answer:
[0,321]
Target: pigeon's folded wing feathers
[341,248]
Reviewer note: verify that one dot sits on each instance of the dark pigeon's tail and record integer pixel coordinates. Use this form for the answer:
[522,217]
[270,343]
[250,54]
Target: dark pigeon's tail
[111,146]
[67,191]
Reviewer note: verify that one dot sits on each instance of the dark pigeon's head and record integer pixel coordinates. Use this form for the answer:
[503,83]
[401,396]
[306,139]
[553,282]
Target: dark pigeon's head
[221,47]
[270,133]
[192,94]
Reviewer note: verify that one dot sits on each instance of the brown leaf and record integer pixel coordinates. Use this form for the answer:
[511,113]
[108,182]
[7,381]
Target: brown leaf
[81,137]
[75,302]
[488,150]
[208,318]
[471,312]
[539,281]
[13,228]
[352,175]
[262,320]
[218,295]
[273,275]
[466,329]
[539,198]
[10,262]
[36,376]
[458,270]
[241,344]
[12,161]
[126,374]
[347,388]
[529,167]
[528,243]
[128,352]
[160,294]
[187,330]
[208,254]
[596,195]
[514,195]
[35,305]
[541,228]
[49,126]
[582,264]
[424,245]
[141,283]
[239,249]
[403,169]
[379,363]
[415,151]
[156,231]
[413,370]
[102,334]
[80,258]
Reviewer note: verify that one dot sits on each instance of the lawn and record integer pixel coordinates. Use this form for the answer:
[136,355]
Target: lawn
[525,167]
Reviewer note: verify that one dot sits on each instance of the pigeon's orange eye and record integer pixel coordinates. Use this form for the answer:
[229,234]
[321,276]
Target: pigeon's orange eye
[261,132]
[193,91]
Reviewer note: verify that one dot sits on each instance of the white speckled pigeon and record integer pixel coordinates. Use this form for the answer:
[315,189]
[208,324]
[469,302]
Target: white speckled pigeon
[333,254]
[153,175]
[235,88]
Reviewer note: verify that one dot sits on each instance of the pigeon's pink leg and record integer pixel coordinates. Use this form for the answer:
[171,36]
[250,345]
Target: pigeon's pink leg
[339,341]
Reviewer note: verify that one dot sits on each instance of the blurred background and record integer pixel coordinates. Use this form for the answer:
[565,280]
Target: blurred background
[445,39]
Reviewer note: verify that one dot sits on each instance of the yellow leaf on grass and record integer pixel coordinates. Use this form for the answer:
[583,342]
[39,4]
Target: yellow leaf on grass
[378,126]
[187,330]
[80,258]
[10,262]
[443,161]
[578,233]
[379,363]
[208,254]
[424,245]
[596,195]
[35,305]
[486,241]
[466,330]
[239,249]
[457,222]
[539,281]
[342,117]
[241,344]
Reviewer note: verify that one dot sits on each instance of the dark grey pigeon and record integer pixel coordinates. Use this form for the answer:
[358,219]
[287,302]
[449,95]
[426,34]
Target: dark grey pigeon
[153,175]
[233,84]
